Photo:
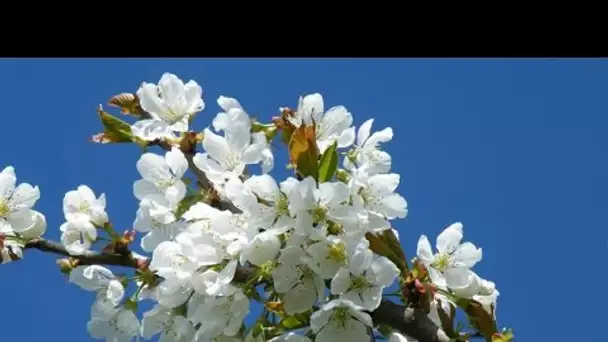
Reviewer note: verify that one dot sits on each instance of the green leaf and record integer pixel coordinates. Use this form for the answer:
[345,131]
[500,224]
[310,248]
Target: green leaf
[257,329]
[479,318]
[303,151]
[447,322]
[115,130]
[329,163]
[128,104]
[187,202]
[291,322]
[386,244]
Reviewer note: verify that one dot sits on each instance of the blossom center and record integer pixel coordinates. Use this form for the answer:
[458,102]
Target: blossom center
[340,317]
[4,208]
[172,116]
[164,184]
[84,207]
[282,206]
[232,160]
[304,271]
[373,156]
[442,262]
[319,214]
[114,324]
[360,283]
[337,252]
[366,196]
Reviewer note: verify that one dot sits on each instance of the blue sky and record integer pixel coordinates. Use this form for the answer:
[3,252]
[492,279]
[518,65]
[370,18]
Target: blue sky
[514,149]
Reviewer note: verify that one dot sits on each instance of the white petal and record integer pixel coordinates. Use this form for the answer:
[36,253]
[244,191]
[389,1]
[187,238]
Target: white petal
[228,103]
[449,239]
[467,255]
[385,271]
[311,107]
[381,136]
[153,167]
[200,211]
[115,292]
[193,94]
[424,251]
[24,197]
[143,188]
[127,323]
[394,205]
[437,278]
[216,146]
[300,299]
[154,321]
[319,319]
[92,277]
[98,328]
[347,137]
[7,185]
[463,282]
[253,153]
[150,130]
[177,162]
[24,221]
[170,87]
[364,131]
[384,184]
[341,281]
[360,259]
[334,193]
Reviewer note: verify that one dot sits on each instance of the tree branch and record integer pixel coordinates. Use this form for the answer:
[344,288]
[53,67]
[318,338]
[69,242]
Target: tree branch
[88,258]
[412,322]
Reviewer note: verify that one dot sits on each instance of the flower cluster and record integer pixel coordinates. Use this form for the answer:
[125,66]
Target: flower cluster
[18,221]
[302,241]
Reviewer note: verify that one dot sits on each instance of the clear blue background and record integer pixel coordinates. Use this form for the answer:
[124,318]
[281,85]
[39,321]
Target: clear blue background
[514,149]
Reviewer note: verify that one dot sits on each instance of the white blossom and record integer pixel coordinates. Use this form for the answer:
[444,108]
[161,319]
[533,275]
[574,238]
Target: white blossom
[16,202]
[78,234]
[29,224]
[82,201]
[226,157]
[453,260]
[312,205]
[261,198]
[340,320]
[364,279]
[331,126]
[300,286]
[376,194]
[162,175]
[114,325]
[325,257]
[170,104]
[101,280]
[366,152]
[220,315]
[171,326]
[263,248]
[158,223]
